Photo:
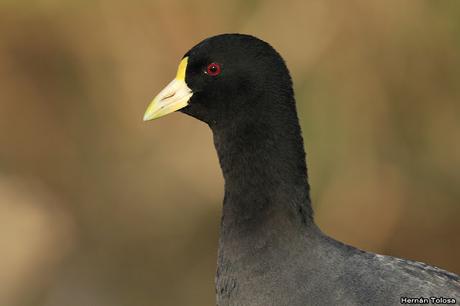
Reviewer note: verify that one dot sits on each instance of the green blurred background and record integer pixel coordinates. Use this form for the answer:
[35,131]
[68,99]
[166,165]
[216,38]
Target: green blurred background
[99,208]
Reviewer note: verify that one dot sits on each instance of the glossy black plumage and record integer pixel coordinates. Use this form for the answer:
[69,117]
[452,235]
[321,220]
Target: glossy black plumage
[270,250]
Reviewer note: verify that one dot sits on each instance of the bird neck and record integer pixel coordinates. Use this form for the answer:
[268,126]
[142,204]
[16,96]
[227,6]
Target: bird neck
[263,164]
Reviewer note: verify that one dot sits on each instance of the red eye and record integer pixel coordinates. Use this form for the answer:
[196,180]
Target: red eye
[213,69]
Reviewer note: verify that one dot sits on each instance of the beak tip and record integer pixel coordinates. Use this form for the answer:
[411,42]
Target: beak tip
[146,117]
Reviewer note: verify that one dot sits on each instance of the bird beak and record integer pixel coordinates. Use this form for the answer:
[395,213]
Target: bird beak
[173,97]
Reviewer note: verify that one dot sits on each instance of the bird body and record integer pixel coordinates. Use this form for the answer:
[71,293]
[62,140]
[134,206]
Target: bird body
[317,270]
[270,250]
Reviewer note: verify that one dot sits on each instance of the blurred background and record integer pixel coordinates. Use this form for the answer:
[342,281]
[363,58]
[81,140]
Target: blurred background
[99,208]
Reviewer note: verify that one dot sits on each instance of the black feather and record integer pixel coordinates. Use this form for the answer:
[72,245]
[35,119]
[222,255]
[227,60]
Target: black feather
[270,250]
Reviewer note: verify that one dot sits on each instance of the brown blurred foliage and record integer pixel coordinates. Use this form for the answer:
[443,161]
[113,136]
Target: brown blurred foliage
[100,208]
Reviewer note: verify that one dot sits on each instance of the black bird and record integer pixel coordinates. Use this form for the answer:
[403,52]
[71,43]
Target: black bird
[270,250]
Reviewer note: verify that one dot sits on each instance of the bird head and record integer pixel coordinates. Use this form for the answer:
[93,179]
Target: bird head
[225,78]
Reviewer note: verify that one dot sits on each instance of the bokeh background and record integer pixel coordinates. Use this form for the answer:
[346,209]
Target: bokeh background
[99,208]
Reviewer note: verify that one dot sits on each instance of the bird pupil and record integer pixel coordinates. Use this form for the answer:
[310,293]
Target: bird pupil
[213,68]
